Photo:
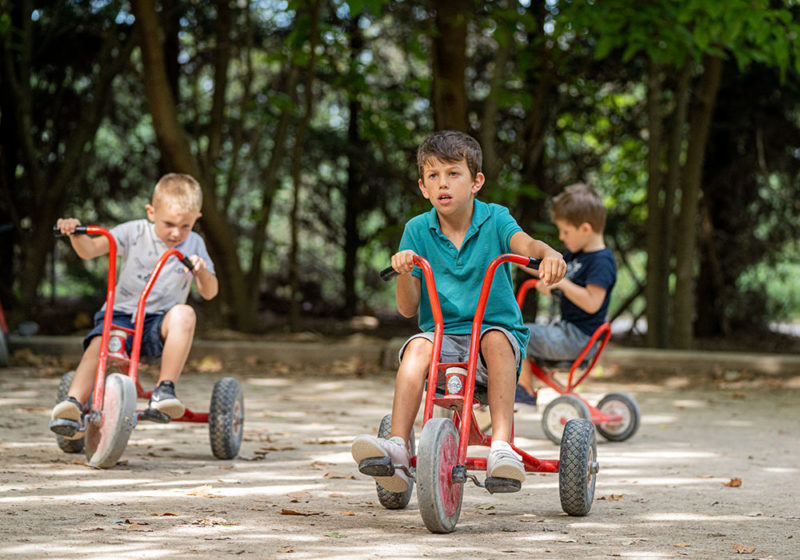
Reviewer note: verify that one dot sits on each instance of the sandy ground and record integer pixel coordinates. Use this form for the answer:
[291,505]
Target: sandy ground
[294,492]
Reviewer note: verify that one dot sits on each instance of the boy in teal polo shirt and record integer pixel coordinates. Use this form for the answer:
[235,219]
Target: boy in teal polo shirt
[460,236]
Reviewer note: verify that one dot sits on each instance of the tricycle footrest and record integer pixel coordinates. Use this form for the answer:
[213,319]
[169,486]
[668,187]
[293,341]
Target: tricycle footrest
[377,466]
[66,428]
[154,415]
[502,485]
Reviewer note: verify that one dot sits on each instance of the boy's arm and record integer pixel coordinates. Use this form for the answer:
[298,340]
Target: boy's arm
[207,283]
[589,298]
[408,289]
[85,246]
[552,268]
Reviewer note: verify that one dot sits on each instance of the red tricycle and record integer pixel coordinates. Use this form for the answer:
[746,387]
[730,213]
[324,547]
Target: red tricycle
[616,416]
[110,415]
[441,466]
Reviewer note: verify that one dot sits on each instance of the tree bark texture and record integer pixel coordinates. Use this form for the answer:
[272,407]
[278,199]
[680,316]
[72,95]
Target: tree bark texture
[450,63]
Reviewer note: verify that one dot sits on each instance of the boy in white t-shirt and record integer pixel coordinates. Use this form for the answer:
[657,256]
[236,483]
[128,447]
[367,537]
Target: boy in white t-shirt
[169,323]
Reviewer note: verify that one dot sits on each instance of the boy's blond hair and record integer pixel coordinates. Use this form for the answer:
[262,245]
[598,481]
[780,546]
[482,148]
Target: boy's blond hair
[579,204]
[178,189]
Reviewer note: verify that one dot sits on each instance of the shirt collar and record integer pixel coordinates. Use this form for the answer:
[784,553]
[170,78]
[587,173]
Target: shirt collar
[480,213]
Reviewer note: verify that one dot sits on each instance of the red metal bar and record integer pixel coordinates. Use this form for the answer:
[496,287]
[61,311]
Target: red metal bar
[139,326]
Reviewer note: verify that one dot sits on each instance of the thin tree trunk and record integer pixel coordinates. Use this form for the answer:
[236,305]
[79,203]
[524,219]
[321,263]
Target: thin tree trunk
[294,250]
[450,63]
[656,320]
[700,124]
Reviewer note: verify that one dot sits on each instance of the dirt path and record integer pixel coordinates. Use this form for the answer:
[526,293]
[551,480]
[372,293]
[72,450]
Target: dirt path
[666,493]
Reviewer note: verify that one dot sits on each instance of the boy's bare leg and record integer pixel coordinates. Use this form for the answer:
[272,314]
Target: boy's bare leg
[499,358]
[83,382]
[526,377]
[177,330]
[409,384]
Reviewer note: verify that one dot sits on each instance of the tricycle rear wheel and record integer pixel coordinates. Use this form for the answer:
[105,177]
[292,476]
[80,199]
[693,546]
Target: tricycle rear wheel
[565,407]
[577,467]
[625,406]
[226,418]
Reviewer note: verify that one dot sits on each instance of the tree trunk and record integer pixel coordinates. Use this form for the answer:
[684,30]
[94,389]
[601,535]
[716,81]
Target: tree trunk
[178,157]
[450,64]
[700,124]
[297,179]
[656,318]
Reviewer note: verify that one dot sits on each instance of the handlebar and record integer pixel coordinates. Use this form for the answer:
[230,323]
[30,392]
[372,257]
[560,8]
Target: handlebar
[388,273]
[83,230]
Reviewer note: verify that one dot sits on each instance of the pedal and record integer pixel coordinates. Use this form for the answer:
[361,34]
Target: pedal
[153,415]
[65,428]
[376,466]
[502,485]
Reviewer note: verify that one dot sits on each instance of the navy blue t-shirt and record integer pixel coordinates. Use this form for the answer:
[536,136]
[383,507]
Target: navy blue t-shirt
[598,268]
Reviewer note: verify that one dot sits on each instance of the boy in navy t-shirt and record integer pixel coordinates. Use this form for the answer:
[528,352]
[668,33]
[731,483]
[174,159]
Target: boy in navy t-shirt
[580,216]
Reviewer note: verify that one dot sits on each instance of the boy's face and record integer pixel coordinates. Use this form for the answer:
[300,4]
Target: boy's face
[449,185]
[172,223]
[575,238]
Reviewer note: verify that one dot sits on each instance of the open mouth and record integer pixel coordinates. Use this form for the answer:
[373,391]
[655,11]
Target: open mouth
[445,198]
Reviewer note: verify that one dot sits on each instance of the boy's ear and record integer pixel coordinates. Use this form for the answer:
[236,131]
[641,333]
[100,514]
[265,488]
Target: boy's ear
[477,182]
[423,189]
[151,212]
[586,227]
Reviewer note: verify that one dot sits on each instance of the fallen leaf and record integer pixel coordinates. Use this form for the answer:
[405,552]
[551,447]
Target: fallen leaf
[287,511]
[611,497]
[209,364]
[733,483]
[738,395]
[336,495]
[334,474]
[213,522]
[165,514]
[335,535]
[683,544]
[203,492]
[348,513]
[321,465]
[139,527]
[226,467]
[743,549]
[285,550]
[484,507]
[299,495]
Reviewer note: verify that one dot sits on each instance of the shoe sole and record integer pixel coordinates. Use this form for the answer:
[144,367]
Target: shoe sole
[513,472]
[173,409]
[367,449]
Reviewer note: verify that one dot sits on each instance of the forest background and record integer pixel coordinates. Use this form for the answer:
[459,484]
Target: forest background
[301,119]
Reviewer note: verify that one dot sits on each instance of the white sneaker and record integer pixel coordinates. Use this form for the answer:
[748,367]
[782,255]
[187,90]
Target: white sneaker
[504,462]
[369,447]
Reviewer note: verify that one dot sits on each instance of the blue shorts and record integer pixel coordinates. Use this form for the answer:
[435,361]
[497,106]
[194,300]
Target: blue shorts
[560,341]
[152,345]
[455,348]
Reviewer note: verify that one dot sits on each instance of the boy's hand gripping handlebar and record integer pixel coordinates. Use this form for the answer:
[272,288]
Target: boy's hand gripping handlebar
[388,273]
[94,230]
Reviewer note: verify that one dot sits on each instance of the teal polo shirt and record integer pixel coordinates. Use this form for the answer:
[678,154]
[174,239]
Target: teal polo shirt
[459,273]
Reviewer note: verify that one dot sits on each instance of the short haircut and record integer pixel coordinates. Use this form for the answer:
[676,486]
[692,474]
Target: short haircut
[450,146]
[579,204]
[178,189]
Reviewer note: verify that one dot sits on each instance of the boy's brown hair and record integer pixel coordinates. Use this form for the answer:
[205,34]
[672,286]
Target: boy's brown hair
[179,189]
[450,146]
[578,204]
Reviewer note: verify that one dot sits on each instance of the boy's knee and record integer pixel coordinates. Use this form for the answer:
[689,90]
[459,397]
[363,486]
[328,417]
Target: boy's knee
[494,340]
[181,317]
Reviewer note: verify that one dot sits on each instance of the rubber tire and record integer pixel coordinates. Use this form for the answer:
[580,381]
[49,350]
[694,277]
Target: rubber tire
[105,443]
[565,405]
[576,482]
[394,500]
[64,444]
[3,350]
[438,453]
[226,418]
[619,403]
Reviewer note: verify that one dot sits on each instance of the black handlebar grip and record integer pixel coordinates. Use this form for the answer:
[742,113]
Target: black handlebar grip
[187,263]
[388,273]
[79,230]
[534,263]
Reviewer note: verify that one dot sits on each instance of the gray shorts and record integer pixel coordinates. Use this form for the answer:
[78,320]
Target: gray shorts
[558,341]
[455,348]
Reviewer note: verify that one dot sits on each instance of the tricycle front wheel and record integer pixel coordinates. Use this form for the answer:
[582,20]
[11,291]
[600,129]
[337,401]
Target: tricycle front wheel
[106,440]
[438,496]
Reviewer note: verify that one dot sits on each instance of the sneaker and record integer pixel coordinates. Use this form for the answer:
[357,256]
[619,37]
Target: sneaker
[68,409]
[522,396]
[503,462]
[369,447]
[164,400]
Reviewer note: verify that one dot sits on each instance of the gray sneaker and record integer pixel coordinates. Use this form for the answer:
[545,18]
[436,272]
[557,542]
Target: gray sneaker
[503,462]
[369,447]
[164,400]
